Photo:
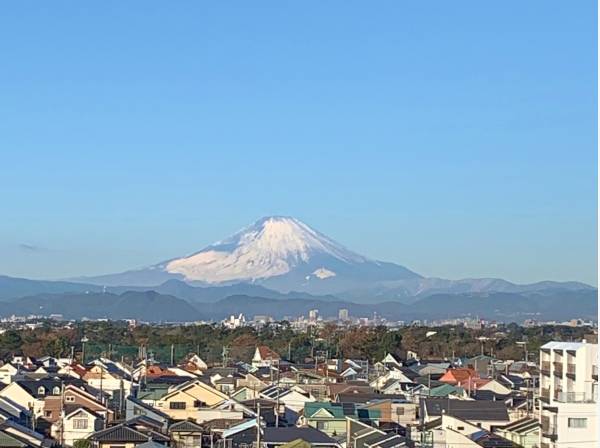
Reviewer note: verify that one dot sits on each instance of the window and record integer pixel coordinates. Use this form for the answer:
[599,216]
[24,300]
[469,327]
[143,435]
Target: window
[399,411]
[41,390]
[47,413]
[69,399]
[578,423]
[177,405]
[56,390]
[199,404]
[80,423]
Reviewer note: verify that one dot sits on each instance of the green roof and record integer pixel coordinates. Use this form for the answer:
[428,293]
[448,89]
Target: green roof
[341,410]
[156,393]
[9,441]
[444,390]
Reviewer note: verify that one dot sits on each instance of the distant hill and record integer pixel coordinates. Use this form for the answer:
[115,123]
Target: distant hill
[154,307]
[12,287]
[148,306]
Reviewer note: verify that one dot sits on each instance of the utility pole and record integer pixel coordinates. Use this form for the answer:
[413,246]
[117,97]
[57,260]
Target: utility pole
[258,425]
[172,354]
[83,341]
[277,402]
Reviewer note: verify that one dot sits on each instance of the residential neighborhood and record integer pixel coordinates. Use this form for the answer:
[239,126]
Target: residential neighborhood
[400,400]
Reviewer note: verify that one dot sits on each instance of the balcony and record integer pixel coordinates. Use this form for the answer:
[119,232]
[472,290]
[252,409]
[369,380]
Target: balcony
[574,397]
[595,372]
[571,369]
[545,394]
[546,368]
[558,368]
[548,429]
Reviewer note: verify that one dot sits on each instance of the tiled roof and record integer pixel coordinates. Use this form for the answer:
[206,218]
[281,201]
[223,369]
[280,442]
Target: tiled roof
[266,353]
[8,441]
[289,434]
[467,409]
[119,433]
[185,426]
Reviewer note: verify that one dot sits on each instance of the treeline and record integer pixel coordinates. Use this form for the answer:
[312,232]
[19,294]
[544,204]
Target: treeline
[215,343]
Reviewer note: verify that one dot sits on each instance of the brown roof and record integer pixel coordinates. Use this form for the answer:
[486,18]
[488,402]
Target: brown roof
[266,353]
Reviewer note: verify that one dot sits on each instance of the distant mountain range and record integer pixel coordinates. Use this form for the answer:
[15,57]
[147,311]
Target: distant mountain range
[151,306]
[281,258]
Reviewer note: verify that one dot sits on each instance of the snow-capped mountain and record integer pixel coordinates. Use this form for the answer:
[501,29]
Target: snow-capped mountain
[284,254]
[279,252]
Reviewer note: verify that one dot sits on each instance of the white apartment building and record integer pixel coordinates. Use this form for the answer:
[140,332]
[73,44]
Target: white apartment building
[568,395]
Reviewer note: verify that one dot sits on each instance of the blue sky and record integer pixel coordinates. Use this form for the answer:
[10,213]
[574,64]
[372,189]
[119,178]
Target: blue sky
[456,138]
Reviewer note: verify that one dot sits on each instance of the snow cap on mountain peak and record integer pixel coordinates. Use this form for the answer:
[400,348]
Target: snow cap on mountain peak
[271,246]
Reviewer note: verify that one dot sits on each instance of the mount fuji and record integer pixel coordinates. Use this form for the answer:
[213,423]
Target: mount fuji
[278,252]
[284,254]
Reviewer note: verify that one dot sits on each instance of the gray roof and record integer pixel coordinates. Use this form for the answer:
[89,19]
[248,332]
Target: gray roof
[185,426]
[467,409]
[123,433]
[284,435]
[151,444]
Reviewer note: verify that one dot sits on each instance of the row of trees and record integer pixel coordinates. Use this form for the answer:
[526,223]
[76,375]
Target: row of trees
[118,340]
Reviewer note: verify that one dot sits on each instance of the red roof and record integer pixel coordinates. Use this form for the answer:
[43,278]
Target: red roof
[460,375]
[266,353]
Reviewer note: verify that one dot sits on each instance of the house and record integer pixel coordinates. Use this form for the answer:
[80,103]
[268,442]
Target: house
[484,414]
[458,376]
[264,356]
[446,390]
[130,434]
[390,360]
[7,373]
[74,396]
[186,434]
[331,417]
[361,435]
[15,435]
[109,376]
[494,386]
[194,364]
[15,412]
[77,424]
[137,408]
[291,400]
[276,437]
[482,364]
[398,411]
[31,394]
[183,401]
[524,432]
[461,433]
[389,380]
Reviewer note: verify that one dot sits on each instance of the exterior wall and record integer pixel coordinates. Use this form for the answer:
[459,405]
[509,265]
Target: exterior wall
[192,397]
[568,390]
[7,372]
[71,434]
[455,439]
[20,396]
[53,403]
[329,426]
[187,440]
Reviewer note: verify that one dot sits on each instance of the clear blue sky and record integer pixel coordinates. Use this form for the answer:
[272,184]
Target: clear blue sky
[456,138]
